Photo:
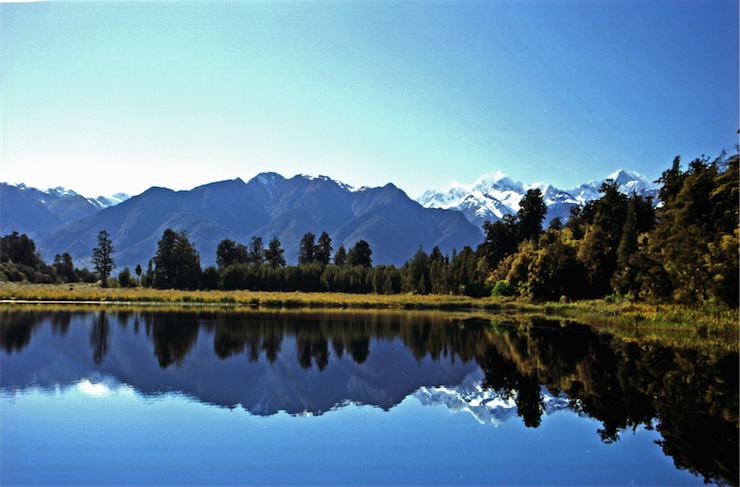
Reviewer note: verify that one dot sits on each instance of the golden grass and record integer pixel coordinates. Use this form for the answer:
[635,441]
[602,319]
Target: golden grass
[92,293]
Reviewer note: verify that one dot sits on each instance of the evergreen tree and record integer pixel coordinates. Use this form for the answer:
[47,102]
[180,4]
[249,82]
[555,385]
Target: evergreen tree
[256,252]
[322,252]
[671,182]
[416,273]
[438,272]
[697,228]
[102,257]
[340,257]
[230,253]
[532,211]
[210,278]
[274,253]
[360,255]
[502,238]
[177,263]
[598,251]
[65,268]
[465,276]
[19,249]
[553,270]
[307,249]
[623,281]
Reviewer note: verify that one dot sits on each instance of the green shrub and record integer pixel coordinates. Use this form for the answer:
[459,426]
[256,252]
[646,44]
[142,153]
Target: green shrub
[503,288]
[124,278]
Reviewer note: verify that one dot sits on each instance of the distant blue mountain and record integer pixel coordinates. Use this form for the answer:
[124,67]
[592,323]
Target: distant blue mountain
[267,206]
[37,212]
[270,205]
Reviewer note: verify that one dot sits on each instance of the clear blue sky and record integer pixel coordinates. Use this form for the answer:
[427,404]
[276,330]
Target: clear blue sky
[105,97]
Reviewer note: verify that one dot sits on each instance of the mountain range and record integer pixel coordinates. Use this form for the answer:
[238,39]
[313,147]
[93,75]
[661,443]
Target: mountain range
[270,205]
[267,206]
[494,196]
[35,212]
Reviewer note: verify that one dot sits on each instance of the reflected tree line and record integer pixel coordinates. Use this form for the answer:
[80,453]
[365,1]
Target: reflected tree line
[690,396]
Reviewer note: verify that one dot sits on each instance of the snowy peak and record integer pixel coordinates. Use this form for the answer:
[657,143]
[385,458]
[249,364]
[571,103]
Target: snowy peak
[622,177]
[47,196]
[495,195]
[35,211]
[106,201]
[485,405]
[61,192]
[268,179]
[327,179]
[628,182]
[492,197]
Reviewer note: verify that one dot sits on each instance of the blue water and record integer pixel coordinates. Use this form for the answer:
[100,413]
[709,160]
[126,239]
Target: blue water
[93,433]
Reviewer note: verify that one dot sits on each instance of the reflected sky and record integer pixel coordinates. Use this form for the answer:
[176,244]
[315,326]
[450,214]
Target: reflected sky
[107,433]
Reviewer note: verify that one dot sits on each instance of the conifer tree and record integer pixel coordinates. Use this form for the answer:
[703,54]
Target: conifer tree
[102,257]
[177,263]
[532,211]
[360,255]
[307,249]
[322,252]
[340,257]
[274,253]
[256,252]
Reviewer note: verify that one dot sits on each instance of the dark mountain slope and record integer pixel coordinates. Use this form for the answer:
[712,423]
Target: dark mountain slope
[267,206]
[24,214]
[136,225]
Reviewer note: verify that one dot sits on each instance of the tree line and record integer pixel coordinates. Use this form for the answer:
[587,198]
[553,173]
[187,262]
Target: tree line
[683,249]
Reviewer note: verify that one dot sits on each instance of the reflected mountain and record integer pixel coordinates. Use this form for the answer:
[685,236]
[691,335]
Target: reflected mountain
[264,362]
[486,405]
[305,362]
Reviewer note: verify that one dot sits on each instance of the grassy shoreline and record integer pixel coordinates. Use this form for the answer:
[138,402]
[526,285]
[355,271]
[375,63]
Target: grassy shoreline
[596,312]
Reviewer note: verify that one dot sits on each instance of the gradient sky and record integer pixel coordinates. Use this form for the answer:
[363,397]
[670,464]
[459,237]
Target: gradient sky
[102,97]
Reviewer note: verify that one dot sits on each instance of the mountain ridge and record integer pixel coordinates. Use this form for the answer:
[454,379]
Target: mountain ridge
[493,196]
[266,206]
[271,205]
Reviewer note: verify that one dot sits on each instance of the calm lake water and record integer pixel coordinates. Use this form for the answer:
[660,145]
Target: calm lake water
[106,396]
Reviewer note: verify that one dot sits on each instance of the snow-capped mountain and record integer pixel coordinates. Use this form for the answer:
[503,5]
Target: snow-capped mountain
[35,211]
[493,196]
[51,195]
[628,182]
[106,201]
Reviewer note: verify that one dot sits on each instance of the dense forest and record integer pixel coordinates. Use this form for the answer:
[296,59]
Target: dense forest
[681,248]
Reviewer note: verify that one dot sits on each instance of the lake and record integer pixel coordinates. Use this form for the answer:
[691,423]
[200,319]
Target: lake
[102,395]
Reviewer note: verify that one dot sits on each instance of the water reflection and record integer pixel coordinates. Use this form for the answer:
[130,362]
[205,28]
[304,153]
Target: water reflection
[312,362]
